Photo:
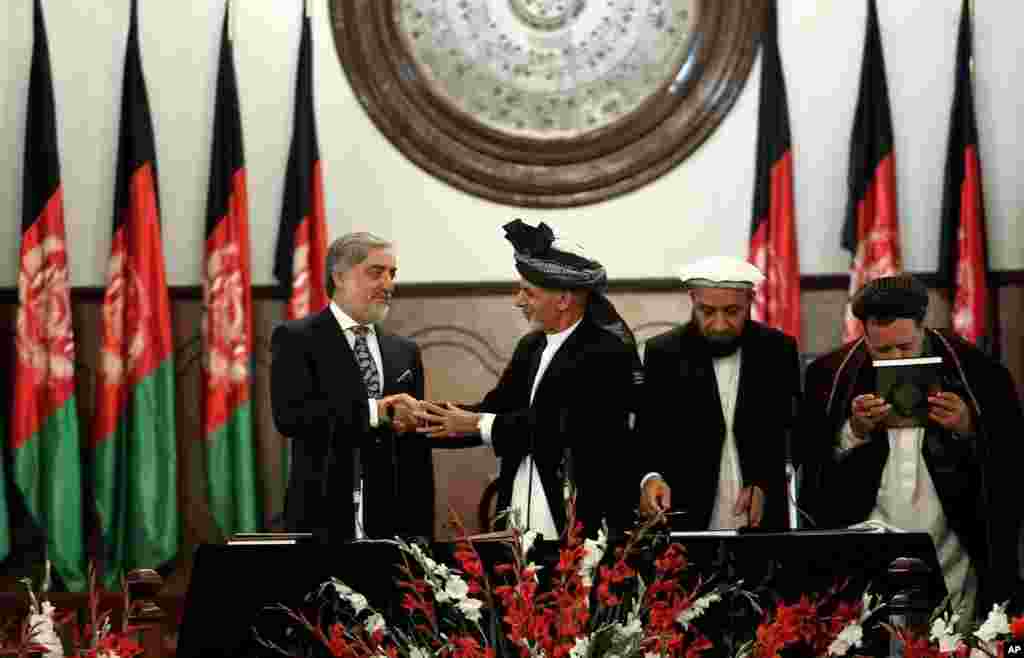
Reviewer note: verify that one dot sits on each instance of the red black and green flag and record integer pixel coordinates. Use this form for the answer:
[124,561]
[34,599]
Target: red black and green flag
[227,319]
[44,433]
[133,439]
[871,230]
[302,239]
[963,259]
[773,244]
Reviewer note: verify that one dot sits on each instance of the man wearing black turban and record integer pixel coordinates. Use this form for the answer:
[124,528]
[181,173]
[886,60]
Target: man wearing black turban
[952,476]
[565,395]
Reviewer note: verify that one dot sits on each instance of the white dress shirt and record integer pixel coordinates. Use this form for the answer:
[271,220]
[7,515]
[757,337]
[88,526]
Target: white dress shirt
[527,489]
[907,500]
[730,479]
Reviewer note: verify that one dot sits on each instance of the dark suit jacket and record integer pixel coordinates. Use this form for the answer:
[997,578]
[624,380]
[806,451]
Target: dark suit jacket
[683,430]
[976,479]
[580,408]
[319,401]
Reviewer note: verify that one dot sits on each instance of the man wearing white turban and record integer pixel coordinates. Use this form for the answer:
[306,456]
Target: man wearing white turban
[733,384]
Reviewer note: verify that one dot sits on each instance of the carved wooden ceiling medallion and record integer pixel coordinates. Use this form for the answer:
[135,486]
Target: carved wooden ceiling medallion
[547,103]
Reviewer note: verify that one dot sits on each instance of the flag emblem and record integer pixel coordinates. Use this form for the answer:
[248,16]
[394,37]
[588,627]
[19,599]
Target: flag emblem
[46,345]
[224,320]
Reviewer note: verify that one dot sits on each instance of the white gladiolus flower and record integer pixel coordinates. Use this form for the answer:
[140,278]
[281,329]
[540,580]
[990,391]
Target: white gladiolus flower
[350,596]
[44,633]
[996,624]
[418,652]
[851,636]
[580,649]
[634,627]
[526,541]
[944,632]
[358,602]
[697,608]
[471,608]
[592,556]
[456,589]
[374,623]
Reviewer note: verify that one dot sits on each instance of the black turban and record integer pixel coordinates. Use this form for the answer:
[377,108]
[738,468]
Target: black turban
[899,296]
[544,266]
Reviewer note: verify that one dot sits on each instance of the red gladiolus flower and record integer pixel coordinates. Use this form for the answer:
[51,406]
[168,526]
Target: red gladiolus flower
[1017,627]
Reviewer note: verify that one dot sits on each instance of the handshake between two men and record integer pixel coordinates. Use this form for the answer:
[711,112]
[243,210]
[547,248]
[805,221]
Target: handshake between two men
[436,420]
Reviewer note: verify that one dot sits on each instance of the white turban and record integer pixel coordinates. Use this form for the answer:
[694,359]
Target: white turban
[720,272]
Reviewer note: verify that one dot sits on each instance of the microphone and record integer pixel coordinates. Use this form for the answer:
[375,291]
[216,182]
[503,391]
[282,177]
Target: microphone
[568,470]
[791,495]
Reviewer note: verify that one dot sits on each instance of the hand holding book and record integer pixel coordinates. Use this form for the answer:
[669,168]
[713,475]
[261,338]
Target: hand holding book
[867,414]
[950,411]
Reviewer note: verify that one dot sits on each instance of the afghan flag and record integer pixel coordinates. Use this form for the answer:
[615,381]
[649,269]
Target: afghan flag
[302,238]
[227,318]
[963,260]
[44,420]
[871,229]
[773,248]
[133,439]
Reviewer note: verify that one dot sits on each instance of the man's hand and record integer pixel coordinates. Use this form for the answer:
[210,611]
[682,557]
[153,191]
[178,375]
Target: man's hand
[950,411]
[868,413]
[446,421]
[402,409]
[751,504]
[655,497]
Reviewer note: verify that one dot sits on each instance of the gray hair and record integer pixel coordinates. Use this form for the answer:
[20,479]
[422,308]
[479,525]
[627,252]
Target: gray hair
[348,251]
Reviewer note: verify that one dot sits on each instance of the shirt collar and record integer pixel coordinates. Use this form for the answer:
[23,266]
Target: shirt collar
[555,340]
[345,321]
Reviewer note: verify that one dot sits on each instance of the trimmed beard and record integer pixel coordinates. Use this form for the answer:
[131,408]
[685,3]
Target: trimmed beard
[721,346]
[377,312]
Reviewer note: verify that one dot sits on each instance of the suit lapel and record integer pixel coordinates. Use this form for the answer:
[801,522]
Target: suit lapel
[742,384]
[559,362]
[390,361]
[696,365]
[532,366]
[335,349]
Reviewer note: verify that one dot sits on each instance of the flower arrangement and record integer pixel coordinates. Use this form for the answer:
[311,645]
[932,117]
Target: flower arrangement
[40,631]
[597,601]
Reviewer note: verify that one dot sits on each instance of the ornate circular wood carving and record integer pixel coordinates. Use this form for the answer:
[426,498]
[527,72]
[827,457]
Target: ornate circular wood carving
[547,103]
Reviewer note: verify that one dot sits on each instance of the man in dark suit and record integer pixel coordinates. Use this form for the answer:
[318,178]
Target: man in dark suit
[720,393]
[344,391]
[564,396]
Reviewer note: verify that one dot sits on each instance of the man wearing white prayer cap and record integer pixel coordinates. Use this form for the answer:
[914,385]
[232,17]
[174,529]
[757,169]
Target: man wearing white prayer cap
[565,396]
[720,391]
